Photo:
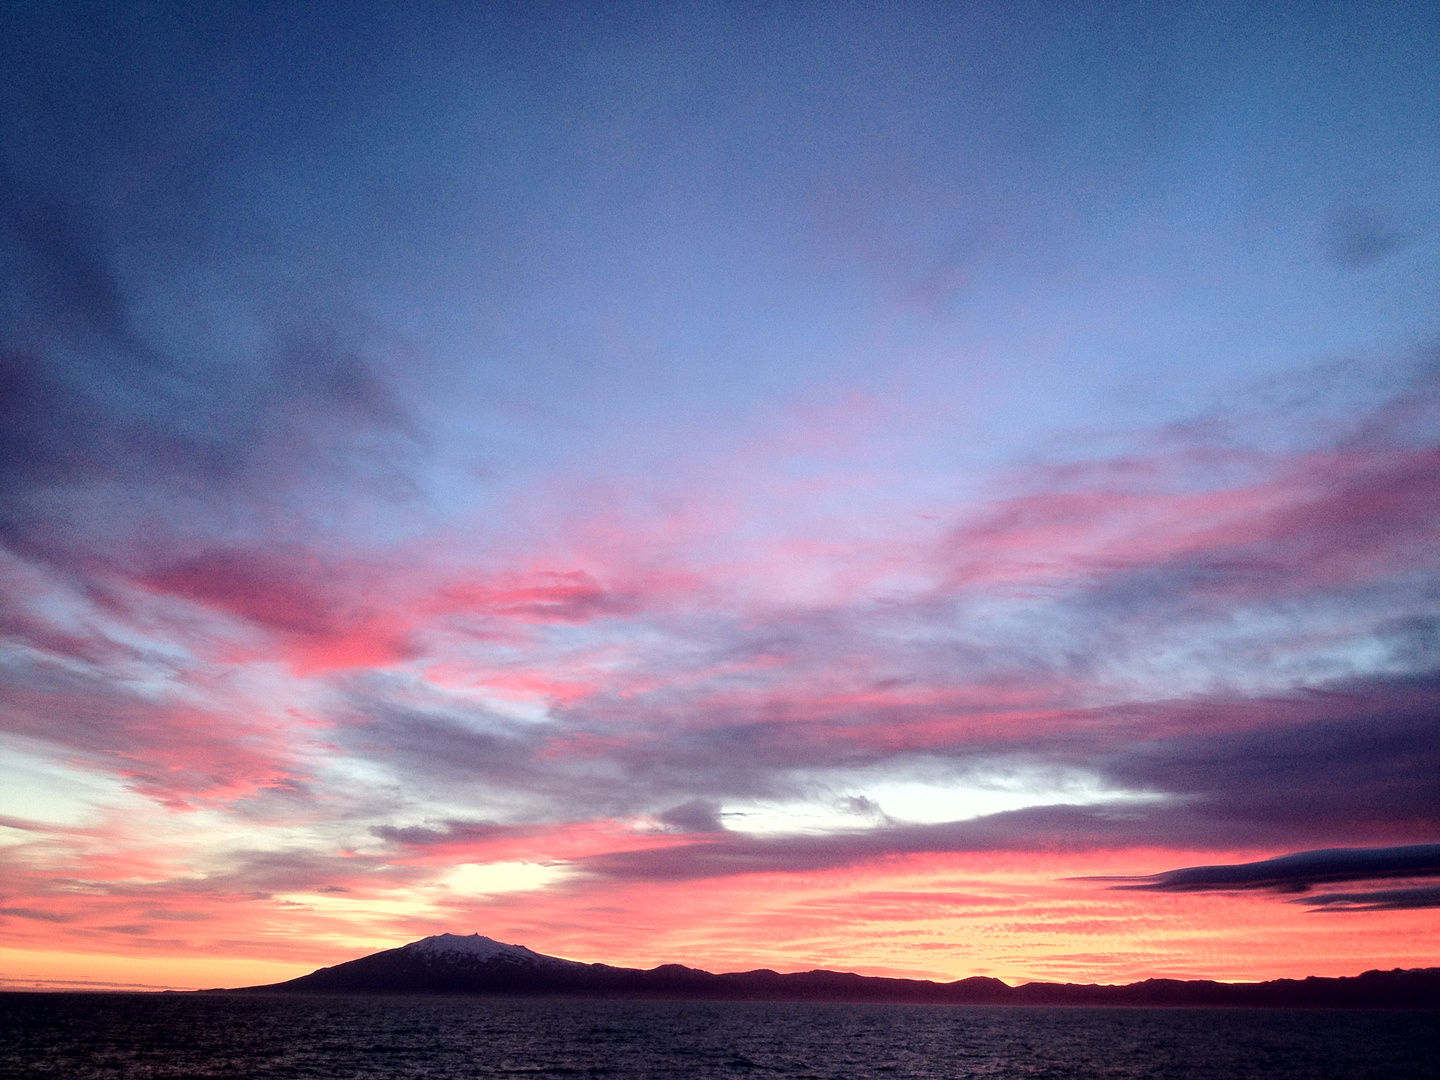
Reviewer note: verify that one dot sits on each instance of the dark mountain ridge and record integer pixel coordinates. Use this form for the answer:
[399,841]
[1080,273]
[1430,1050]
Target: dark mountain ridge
[450,964]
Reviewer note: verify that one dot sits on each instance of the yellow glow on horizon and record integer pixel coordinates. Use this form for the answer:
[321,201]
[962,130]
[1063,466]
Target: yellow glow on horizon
[22,969]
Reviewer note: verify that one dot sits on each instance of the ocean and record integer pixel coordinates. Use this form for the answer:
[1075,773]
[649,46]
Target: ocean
[172,1036]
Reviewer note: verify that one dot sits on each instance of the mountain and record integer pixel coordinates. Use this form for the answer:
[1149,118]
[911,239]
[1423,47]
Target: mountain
[451,964]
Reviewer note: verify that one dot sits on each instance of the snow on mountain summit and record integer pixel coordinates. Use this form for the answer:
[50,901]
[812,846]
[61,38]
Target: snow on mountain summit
[478,947]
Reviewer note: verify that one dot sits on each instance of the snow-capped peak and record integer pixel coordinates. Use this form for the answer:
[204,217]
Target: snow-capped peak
[477,946]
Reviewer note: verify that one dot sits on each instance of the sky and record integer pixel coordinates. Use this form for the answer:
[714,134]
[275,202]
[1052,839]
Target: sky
[921,489]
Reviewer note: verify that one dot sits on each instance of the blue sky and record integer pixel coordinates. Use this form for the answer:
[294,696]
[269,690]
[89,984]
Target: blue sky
[578,447]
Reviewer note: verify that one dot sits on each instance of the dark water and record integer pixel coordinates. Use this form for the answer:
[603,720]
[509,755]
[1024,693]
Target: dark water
[119,1035]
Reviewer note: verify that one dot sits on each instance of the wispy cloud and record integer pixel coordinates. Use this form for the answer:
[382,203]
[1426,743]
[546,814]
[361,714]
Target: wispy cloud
[490,467]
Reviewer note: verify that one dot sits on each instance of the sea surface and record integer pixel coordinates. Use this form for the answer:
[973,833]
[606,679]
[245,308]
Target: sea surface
[168,1036]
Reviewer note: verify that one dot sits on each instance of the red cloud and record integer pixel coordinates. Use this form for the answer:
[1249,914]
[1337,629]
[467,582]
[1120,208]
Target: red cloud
[299,600]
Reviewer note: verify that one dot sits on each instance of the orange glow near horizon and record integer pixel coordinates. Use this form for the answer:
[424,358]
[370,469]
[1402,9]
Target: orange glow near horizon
[936,917]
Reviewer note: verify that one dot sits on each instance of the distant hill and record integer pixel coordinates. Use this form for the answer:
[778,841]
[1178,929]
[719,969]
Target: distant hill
[451,964]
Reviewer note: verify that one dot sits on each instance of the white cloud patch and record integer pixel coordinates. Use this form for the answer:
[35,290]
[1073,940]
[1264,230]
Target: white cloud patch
[925,793]
[486,879]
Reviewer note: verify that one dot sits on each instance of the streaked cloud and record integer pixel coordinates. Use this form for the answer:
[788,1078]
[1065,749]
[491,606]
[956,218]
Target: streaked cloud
[606,482]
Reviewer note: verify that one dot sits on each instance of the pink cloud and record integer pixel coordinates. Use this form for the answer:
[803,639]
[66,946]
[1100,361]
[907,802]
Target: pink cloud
[308,607]
[1318,519]
[547,596]
[180,756]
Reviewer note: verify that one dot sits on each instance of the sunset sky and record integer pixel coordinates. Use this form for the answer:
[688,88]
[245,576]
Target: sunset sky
[736,484]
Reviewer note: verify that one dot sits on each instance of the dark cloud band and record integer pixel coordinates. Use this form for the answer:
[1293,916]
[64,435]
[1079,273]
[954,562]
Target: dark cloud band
[1377,900]
[1299,872]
